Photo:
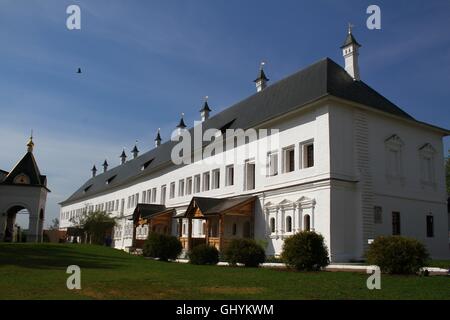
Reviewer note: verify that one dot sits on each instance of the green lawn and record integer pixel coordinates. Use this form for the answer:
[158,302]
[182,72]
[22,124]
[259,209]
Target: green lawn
[38,272]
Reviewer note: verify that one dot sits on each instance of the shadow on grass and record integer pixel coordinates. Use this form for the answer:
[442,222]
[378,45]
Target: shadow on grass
[47,256]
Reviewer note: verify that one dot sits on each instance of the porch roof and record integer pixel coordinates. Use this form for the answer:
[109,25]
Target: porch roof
[214,206]
[146,211]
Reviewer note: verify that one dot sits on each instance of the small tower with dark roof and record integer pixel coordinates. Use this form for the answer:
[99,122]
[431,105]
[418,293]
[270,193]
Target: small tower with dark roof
[94,171]
[261,80]
[350,51]
[205,110]
[135,151]
[105,166]
[158,139]
[123,157]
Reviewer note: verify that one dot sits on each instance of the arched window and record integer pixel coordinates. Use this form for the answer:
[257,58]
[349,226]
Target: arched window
[272,225]
[234,231]
[307,223]
[288,224]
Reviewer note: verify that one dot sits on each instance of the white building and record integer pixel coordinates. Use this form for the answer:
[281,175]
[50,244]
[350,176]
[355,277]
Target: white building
[350,165]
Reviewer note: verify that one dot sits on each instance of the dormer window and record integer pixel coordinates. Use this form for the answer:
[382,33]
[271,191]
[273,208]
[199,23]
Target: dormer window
[146,164]
[110,179]
[87,188]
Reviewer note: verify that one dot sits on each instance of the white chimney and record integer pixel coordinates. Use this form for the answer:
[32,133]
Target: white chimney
[350,51]
[123,157]
[158,139]
[94,171]
[181,126]
[105,166]
[261,80]
[205,110]
[135,151]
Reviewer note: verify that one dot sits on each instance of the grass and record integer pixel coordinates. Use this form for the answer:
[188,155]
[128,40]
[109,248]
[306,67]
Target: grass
[29,271]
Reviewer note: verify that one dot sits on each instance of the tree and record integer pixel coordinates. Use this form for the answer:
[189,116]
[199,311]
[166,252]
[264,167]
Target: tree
[96,225]
[55,224]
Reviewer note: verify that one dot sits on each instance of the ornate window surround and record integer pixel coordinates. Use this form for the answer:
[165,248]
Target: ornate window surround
[396,144]
[427,151]
[279,212]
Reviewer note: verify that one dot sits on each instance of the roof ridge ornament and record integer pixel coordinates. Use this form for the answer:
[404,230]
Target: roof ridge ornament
[30,144]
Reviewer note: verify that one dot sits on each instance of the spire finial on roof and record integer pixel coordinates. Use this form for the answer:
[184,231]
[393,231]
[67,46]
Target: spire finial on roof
[350,27]
[30,143]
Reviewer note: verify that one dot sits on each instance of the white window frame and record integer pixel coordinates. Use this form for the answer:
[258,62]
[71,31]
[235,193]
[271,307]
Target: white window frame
[286,158]
[229,175]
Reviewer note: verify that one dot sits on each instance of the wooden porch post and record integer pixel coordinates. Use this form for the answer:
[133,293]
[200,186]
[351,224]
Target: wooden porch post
[221,231]
[189,246]
[207,232]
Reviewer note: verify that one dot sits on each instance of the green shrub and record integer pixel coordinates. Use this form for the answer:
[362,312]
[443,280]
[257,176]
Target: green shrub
[397,255]
[245,251]
[162,246]
[305,251]
[204,254]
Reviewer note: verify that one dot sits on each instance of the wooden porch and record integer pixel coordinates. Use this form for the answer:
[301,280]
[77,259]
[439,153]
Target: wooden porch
[223,220]
[149,218]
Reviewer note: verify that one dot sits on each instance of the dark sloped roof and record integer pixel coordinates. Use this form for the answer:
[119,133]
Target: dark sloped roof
[321,79]
[145,210]
[209,206]
[27,165]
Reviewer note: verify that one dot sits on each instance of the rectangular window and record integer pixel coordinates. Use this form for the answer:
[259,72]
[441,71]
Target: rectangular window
[396,223]
[289,159]
[249,178]
[216,179]
[181,188]
[229,178]
[163,194]
[172,190]
[197,184]
[153,195]
[188,186]
[272,164]
[430,226]
[377,215]
[149,194]
[309,155]
[122,207]
[144,196]
[136,199]
[206,182]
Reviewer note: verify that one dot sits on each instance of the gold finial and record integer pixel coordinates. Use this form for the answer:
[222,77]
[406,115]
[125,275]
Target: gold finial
[30,143]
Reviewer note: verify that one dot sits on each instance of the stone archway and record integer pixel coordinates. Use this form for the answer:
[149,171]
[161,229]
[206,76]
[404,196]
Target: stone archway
[8,219]
[8,233]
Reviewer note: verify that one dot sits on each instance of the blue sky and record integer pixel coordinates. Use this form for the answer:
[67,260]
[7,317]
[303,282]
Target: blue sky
[145,62]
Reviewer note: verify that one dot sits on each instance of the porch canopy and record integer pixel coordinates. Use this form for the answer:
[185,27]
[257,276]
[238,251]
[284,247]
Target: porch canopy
[217,214]
[154,217]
